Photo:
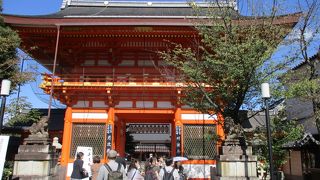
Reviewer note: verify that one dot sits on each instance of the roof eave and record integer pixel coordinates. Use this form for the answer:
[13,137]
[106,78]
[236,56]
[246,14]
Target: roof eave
[99,21]
[13,20]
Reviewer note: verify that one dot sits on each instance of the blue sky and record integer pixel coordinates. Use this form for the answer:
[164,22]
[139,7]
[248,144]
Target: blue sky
[38,7]
[32,7]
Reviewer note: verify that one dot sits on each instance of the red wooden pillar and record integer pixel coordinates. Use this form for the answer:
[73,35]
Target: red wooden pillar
[220,130]
[122,139]
[119,138]
[66,142]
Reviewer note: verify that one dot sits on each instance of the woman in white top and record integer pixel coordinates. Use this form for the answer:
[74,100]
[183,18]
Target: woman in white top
[133,171]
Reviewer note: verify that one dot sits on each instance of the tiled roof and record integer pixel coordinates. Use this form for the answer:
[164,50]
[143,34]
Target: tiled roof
[145,3]
[314,57]
[307,139]
[132,12]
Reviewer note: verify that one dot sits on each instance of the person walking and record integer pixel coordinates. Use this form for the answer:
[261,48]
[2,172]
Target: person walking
[112,170]
[169,172]
[95,167]
[134,171]
[78,171]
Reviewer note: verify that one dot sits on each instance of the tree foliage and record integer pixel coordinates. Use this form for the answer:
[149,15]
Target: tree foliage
[225,67]
[19,113]
[283,131]
[304,82]
[9,63]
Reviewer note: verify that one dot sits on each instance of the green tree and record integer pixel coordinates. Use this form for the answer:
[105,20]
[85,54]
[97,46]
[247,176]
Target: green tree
[283,131]
[303,83]
[224,69]
[9,63]
[19,113]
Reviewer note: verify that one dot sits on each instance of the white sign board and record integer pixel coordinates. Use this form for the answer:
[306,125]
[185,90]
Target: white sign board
[4,141]
[87,160]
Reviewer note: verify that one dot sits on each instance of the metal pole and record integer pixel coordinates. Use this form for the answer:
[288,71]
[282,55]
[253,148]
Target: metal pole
[269,138]
[54,71]
[3,104]
[19,86]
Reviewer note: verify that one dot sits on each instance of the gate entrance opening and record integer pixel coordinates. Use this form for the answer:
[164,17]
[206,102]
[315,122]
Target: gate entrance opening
[148,139]
[143,135]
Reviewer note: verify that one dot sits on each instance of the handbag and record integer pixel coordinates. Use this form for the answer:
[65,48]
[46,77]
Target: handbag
[84,173]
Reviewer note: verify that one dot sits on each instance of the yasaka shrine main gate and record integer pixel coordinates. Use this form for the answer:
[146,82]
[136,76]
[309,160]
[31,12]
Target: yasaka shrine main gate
[105,69]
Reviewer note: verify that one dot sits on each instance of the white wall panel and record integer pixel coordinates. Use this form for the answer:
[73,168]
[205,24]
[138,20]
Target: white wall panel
[198,117]
[125,104]
[89,115]
[144,104]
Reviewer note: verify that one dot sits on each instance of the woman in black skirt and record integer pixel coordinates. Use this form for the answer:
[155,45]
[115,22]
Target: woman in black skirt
[78,171]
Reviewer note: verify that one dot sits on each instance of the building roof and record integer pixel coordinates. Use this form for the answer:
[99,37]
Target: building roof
[306,140]
[100,12]
[123,9]
[101,8]
[312,58]
[121,3]
[130,12]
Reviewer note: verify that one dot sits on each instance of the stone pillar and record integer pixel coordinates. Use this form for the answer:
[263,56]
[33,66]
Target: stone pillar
[35,159]
[236,162]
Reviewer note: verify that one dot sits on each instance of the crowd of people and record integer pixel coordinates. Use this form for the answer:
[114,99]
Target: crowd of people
[155,168]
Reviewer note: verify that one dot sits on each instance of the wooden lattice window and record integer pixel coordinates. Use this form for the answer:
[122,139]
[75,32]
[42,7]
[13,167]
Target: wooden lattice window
[89,135]
[196,146]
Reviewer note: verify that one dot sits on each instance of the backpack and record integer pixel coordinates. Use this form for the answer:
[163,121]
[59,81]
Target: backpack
[114,175]
[168,176]
[150,174]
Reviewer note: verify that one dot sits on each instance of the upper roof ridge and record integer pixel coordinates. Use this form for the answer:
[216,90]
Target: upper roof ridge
[115,3]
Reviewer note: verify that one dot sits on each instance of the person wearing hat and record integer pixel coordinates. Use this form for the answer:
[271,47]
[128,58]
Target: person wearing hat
[112,168]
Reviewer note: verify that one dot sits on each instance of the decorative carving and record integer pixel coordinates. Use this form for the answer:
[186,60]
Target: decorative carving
[40,128]
[234,132]
[149,128]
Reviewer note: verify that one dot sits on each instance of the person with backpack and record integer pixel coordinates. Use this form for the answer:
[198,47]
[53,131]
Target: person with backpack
[121,160]
[112,170]
[152,170]
[169,172]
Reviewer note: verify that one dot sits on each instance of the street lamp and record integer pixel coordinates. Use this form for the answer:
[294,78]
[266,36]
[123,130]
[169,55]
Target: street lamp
[266,95]
[5,91]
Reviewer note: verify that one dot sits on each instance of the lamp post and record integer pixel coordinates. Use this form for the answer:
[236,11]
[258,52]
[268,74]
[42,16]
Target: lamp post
[5,90]
[266,95]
